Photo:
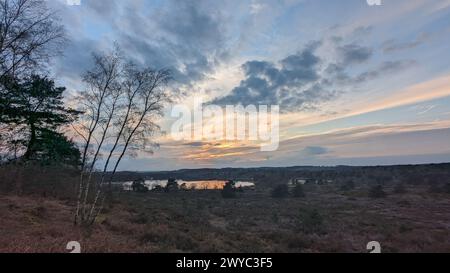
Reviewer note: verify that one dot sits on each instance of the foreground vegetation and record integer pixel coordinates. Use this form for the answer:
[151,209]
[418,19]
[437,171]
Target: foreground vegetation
[338,217]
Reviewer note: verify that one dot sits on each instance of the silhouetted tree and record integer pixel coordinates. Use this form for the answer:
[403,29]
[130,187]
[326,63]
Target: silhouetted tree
[30,34]
[280,191]
[229,190]
[121,102]
[139,186]
[99,104]
[158,188]
[171,186]
[37,111]
[53,148]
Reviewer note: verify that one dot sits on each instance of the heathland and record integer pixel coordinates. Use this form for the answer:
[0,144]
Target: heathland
[405,208]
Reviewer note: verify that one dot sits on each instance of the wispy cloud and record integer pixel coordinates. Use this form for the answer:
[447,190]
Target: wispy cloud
[394,45]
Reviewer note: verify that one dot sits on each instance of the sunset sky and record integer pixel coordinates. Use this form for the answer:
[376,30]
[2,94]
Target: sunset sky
[356,84]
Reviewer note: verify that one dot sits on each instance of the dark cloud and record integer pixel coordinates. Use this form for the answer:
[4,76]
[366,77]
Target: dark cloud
[338,73]
[188,37]
[304,80]
[314,151]
[294,83]
[385,68]
[297,82]
[74,65]
[393,45]
[194,144]
[354,53]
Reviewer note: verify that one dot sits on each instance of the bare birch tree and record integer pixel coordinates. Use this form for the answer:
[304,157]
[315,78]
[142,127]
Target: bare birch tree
[98,103]
[124,119]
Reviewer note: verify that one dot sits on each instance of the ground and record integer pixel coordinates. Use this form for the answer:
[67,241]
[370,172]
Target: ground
[326,220]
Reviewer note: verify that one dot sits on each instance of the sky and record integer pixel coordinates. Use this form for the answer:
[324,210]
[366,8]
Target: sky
[356,84]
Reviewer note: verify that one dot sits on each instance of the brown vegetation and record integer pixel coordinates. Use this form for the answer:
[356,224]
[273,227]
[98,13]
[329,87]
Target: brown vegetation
[326,220]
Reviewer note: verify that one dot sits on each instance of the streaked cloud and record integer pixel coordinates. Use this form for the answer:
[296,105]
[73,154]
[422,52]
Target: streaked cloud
[393,45]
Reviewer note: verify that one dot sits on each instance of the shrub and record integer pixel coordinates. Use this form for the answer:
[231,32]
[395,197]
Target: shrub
[139,186]
[377,192]
[280,191]
[298,191]
[229,190]
[158,188]
[172,185]
[311,221]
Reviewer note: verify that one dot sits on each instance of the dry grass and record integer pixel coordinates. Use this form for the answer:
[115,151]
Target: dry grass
[51,182]
[254,222]
[38,218]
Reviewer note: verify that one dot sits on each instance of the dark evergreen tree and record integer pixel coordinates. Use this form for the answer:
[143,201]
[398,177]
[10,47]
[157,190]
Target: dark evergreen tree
[229,190]
[53,148]
[171,186]
[34,109]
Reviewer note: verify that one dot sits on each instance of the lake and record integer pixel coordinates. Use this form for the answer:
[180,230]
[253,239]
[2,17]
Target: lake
[191,185]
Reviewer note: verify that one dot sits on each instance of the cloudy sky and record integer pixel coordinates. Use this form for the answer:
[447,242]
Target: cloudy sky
[356,84]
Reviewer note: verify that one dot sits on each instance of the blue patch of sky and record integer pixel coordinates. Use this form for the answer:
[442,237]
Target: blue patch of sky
[95,29]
